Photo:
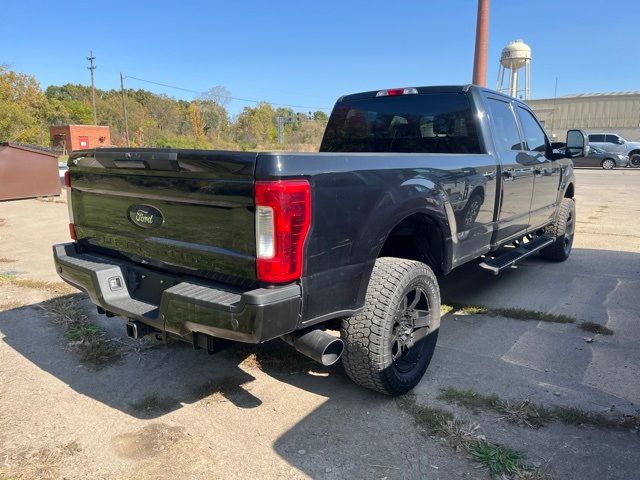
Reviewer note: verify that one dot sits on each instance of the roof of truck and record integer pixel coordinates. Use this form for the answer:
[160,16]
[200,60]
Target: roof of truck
[431,89]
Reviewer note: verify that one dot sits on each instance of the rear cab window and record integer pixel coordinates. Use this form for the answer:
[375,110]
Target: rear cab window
[596,138]
[422,123]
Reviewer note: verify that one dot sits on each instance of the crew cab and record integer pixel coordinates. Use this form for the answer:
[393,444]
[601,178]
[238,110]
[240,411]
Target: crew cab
[410,183]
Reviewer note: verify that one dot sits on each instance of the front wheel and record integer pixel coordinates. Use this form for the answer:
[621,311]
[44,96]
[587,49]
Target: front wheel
[608,164]
[563,230]
[389,345]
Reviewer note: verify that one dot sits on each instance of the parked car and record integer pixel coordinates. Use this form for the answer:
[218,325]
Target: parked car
[614,143]
[210,246]
[599,158]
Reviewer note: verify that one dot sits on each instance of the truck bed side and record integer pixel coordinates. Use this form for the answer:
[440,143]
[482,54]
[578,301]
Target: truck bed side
[358,199]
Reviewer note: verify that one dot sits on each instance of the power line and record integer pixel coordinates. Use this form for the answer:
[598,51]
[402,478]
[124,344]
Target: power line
[232,98]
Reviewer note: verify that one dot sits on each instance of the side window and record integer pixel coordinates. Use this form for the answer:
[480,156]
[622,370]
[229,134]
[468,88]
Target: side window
[533,134]
[596,138]
[613,139]
[504,125]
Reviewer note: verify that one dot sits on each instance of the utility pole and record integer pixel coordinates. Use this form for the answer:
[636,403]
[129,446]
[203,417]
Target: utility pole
[124,110]
[281,121]
[482,44]
[91,68]
[553,111]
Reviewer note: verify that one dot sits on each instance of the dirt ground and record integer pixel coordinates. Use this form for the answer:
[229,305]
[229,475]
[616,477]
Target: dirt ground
[166,411]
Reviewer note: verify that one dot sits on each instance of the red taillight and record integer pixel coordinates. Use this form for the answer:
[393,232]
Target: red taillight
[283,216]
[67,179]
[72,231]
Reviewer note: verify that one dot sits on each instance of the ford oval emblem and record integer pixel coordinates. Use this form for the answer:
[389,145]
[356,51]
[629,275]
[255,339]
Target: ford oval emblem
[145,216]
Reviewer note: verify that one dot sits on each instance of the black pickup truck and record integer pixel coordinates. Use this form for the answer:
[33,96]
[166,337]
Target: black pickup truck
[409,183]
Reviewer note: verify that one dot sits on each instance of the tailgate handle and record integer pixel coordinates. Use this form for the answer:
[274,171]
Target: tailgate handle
[149,160]
[130,164]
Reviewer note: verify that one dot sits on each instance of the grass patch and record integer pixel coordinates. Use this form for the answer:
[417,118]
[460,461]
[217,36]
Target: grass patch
[596,328]
[56,288]
[152,404]
[499,460]
[514,313]
[425,416]
[85,337]
[84,331]
[468,398]
[472,309]
[572,416]
[523,413]
[533,415]
[522,314]
[577,417]
[444,309]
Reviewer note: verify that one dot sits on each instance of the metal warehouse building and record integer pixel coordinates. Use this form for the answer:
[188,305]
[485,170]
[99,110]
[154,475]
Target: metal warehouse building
[616,112]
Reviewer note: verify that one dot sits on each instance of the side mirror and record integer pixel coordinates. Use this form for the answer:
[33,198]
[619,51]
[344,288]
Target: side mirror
[577,144]
[620,141]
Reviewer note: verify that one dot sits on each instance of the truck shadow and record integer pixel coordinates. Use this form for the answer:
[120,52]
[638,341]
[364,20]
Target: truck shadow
[153,378]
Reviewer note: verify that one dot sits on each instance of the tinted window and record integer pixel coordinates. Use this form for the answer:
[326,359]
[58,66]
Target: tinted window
[426,123]
[504,125]
[533,134]
[596,138]
[612,139]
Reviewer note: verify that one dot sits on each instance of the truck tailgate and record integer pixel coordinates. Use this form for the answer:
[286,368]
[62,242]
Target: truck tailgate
[190,209]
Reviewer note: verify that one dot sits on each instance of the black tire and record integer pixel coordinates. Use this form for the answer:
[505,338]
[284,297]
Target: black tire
[382,350]
[608,164]
[563,230]
[634,160]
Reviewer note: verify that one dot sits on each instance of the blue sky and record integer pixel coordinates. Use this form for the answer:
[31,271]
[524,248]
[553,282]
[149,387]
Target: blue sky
[309,53]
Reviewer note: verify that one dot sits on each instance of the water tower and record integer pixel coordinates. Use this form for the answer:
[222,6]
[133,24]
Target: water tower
[515,56]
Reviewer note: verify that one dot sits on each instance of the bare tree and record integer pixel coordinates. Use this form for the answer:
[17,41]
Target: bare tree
[217,94]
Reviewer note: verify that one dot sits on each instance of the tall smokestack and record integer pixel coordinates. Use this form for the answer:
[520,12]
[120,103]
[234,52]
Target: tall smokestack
[482,44]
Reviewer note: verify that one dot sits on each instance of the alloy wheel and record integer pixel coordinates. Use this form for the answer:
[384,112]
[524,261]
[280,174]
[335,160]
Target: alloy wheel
[412,324]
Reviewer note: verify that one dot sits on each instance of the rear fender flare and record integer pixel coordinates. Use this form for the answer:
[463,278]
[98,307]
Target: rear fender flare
[437,207]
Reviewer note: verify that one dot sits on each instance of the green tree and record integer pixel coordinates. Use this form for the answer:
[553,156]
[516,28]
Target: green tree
[320,116]
[197,121]
[256,126]
[24,109]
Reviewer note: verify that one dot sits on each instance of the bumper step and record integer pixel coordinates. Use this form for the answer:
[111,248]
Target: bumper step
[497,264]
[186,305]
